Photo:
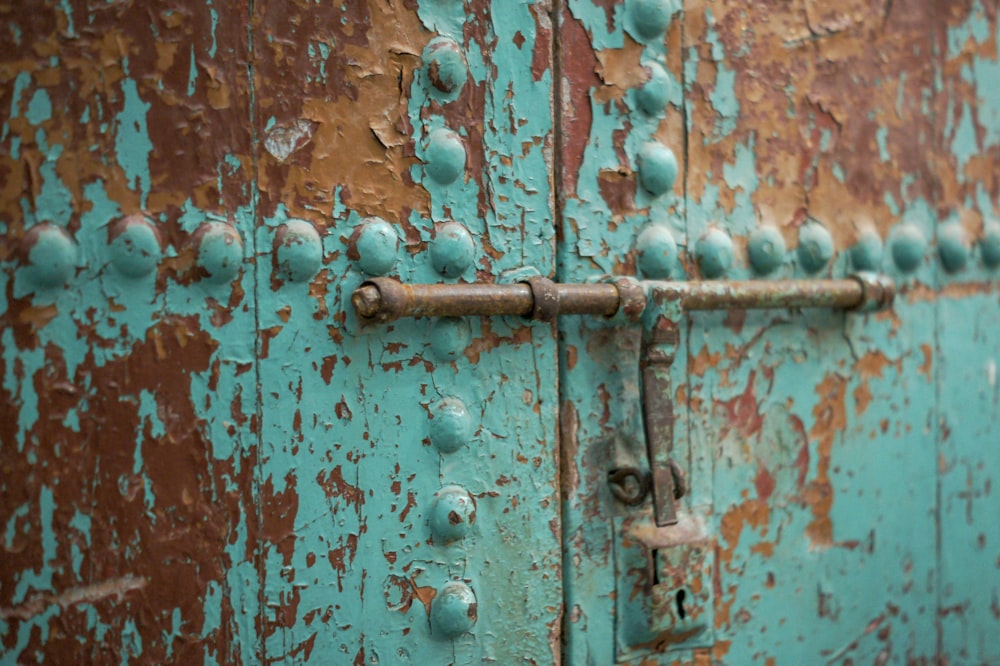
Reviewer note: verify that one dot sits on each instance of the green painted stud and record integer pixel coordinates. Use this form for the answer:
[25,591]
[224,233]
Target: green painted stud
[766,249]
[908,247]
[653,96]
[453,514]
[452,249]
[866,255]
[815,247]
[447,69]
[714,253]
[298,250]
[373,246]
[52,255]
[450,425]
[953,249]
[656,251]
[657,168]
[445,156]
[449,337]
[989,245]
[453,611]
[135,246]
[649,18]
[220,251]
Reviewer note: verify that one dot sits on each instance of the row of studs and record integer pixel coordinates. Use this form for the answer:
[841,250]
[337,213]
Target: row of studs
[135,250]
[374,246]
[656,249]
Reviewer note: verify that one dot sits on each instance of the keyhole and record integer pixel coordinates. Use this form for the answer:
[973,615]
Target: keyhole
[654,556]
[681,594]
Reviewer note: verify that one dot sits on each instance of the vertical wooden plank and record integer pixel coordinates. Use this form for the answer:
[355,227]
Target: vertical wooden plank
[621,102]
[127,333]
[967,348]
[410,140]
[809,125]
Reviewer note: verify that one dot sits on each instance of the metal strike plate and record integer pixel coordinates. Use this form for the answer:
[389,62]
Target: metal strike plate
[665,583]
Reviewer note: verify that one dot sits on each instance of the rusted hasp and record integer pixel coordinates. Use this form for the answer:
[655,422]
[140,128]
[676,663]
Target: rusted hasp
[383,300]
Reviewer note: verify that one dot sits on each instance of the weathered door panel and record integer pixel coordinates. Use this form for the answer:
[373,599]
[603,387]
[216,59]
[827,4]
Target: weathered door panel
[207,458]
[967,344]
[813,142]
[409,472]
[128,335]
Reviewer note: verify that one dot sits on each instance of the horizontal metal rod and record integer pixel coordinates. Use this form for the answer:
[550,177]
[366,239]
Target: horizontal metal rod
[384,299]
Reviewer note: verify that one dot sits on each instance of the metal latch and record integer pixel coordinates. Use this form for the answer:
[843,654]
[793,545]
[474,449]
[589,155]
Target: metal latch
[658,305]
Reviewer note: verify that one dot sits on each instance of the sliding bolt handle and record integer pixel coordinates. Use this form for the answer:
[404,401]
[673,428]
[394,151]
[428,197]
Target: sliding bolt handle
[382,300]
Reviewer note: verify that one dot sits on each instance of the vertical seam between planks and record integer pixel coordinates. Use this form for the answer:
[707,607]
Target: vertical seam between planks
[258,551]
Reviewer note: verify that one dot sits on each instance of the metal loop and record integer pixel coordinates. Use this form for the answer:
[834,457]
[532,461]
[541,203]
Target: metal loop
[631,494]
[631,297]
[546,298]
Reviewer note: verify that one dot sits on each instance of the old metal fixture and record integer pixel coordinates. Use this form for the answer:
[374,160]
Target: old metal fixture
[381,300]
[659,305]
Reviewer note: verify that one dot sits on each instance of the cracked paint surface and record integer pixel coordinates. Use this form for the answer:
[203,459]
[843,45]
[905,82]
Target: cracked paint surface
[846,516]
[210,460]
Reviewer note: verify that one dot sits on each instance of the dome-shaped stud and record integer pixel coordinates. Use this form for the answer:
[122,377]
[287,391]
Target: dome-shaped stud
[447,69]
[953,247]
[766,249]
[815,247]
[656,251]
[374,246]
[449,337]
[135,246]
[52,255]
[866,255]
[653,96]
[452,249]
[445,156]
[908,247]
[454,610]
[298,250]
[450,425]
[650,18]
[989,245]
[657,168]
[714,253]
[220,251]
[453,514]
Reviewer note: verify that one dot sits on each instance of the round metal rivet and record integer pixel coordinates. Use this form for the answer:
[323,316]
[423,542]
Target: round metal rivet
[452,249]
[373,246]
[766,249]
[299,250]
[220,251]
[135,246]
[908,247]
[52,255]
[953,248]
[989,245]
[446,66]
[453,514]
[656,250]
[657,168]
[453,611]
[815,247]
[651,17]
[866,255]
[449,337]
[445,156]
[654,94]
[714,253]
[450,426]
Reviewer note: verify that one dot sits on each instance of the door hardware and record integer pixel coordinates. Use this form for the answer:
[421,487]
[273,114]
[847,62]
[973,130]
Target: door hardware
[382,300]
[660,306]
[630,485]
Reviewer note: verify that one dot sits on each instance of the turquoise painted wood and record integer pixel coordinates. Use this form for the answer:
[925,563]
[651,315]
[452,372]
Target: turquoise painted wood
[206,457]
